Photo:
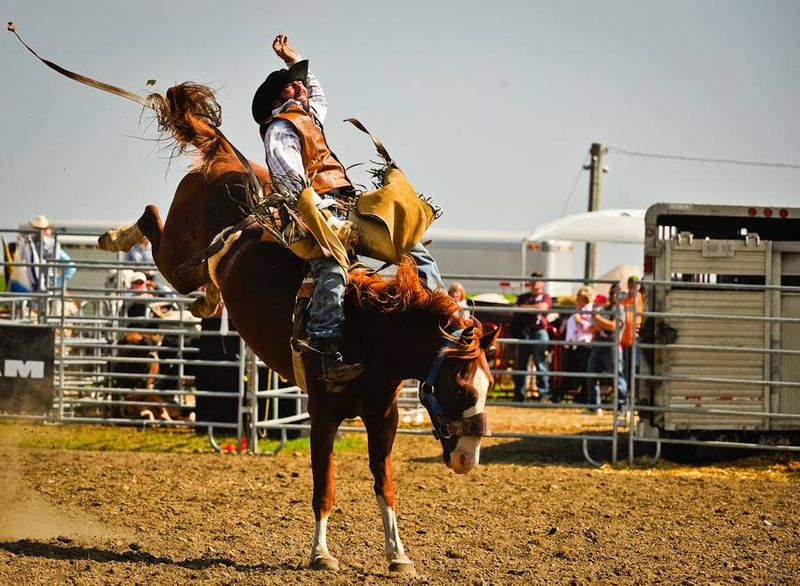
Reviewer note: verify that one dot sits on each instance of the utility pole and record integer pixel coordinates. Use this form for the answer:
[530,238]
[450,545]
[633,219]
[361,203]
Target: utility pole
[596,170]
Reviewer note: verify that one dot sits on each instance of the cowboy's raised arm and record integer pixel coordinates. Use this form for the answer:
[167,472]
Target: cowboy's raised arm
[290,56]
[284,50]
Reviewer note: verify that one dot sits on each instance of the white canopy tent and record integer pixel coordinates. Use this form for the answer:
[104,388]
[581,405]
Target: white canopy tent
[624,226]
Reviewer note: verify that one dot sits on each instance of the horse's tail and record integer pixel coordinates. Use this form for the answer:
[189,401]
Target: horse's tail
[191,114]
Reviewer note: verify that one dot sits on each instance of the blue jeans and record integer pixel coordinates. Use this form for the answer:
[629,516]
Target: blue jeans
[539,352]
[326,313]
[601,360]
[426,267]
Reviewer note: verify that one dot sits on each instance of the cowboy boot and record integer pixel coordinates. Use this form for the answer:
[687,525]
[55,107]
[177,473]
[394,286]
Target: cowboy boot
[334,369]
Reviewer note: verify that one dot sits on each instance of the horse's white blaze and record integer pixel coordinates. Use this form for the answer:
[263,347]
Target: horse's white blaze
[320,547]
[394,547]
[467,452]
[481,383]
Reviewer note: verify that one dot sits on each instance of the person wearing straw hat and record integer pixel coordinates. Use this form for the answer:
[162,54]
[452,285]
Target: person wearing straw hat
[38,239]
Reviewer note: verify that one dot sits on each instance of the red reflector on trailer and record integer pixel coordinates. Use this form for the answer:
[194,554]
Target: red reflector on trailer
[783,213]
[648,264]
[752,211]
[505,283]
[767,212]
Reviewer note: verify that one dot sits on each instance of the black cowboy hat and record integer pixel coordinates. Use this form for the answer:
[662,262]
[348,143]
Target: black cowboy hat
[272,86]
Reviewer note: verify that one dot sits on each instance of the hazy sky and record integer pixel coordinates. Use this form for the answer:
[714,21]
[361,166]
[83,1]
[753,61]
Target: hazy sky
[489,108]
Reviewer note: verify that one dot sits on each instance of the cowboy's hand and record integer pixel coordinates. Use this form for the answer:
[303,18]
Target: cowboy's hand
[282,48]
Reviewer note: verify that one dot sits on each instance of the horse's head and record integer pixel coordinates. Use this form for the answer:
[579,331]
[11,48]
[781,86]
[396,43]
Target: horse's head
[455,396]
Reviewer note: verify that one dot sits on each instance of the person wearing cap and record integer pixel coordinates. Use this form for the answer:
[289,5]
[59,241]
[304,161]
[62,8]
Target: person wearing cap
[290,108]
[533,327]
[139,289]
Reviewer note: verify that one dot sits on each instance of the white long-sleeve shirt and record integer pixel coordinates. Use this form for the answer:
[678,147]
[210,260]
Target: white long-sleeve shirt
[282,144]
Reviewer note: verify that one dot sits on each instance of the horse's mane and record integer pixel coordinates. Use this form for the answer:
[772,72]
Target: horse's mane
[191,114]
[406,293]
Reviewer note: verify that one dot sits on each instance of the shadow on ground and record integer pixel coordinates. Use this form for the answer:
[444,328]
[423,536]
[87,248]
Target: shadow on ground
[570,452]
[58,550]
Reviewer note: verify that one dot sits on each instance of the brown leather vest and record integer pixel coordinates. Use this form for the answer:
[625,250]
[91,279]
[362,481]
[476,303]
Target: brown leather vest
[322,166]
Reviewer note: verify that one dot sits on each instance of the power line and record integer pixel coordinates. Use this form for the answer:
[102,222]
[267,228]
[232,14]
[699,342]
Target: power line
[622,151]
[581,169]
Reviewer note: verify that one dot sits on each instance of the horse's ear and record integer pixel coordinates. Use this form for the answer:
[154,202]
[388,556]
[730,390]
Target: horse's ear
[489,339]
[467,334]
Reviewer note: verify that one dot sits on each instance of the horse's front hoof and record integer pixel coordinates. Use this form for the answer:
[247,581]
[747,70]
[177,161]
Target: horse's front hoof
[324,562]
[106,241]
[402,568]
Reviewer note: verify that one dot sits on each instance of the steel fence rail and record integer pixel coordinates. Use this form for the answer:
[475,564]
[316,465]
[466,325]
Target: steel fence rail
[92,358]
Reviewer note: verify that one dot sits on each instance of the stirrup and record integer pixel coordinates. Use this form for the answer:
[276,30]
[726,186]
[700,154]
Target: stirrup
[336,371]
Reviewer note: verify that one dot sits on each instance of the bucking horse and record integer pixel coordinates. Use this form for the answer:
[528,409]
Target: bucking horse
[396,327]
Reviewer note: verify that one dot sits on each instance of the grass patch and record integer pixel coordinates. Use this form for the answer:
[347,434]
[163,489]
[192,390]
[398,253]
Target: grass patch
[157,440]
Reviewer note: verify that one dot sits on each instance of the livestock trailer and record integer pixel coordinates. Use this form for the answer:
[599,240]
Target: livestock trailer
[721,338]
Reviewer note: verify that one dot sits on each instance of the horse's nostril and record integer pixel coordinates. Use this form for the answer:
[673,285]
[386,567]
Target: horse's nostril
[462,459]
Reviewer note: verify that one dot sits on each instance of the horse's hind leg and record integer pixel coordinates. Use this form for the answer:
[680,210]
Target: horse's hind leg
[322,435]
[120,239]
[151,226]
[206,305]
[123,239]
[381,431]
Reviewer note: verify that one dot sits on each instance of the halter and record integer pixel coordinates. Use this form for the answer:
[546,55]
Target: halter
[443,426]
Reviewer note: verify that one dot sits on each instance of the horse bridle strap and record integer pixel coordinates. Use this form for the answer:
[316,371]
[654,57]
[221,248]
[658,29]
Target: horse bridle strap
[477,424]
[443,426]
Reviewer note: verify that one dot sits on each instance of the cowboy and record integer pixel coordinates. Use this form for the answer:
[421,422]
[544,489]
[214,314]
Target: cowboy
[290,108]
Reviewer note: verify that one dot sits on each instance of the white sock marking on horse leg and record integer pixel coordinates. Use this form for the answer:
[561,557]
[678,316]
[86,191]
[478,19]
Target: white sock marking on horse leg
[394,547]
[320,547]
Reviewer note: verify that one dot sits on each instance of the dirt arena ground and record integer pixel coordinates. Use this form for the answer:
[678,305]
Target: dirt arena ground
[533,512]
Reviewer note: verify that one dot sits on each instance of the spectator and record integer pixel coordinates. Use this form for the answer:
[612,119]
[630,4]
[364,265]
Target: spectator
[577,330]
[142,252]
[29,246]
[138,343]
[532,327]
[601,358]
[459,295]
[140,290]
[634,299]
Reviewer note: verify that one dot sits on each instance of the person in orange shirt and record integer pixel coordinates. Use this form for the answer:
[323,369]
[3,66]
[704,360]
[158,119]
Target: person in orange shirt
[634,299]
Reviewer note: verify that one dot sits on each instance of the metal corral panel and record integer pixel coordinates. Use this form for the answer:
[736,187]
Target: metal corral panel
[720,333]
[789,397]
[721,257]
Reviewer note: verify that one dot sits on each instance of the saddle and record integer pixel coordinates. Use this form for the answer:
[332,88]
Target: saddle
[384,224]
[299,343]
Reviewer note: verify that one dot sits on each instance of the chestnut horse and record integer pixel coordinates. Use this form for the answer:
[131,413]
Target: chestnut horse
[397,329]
